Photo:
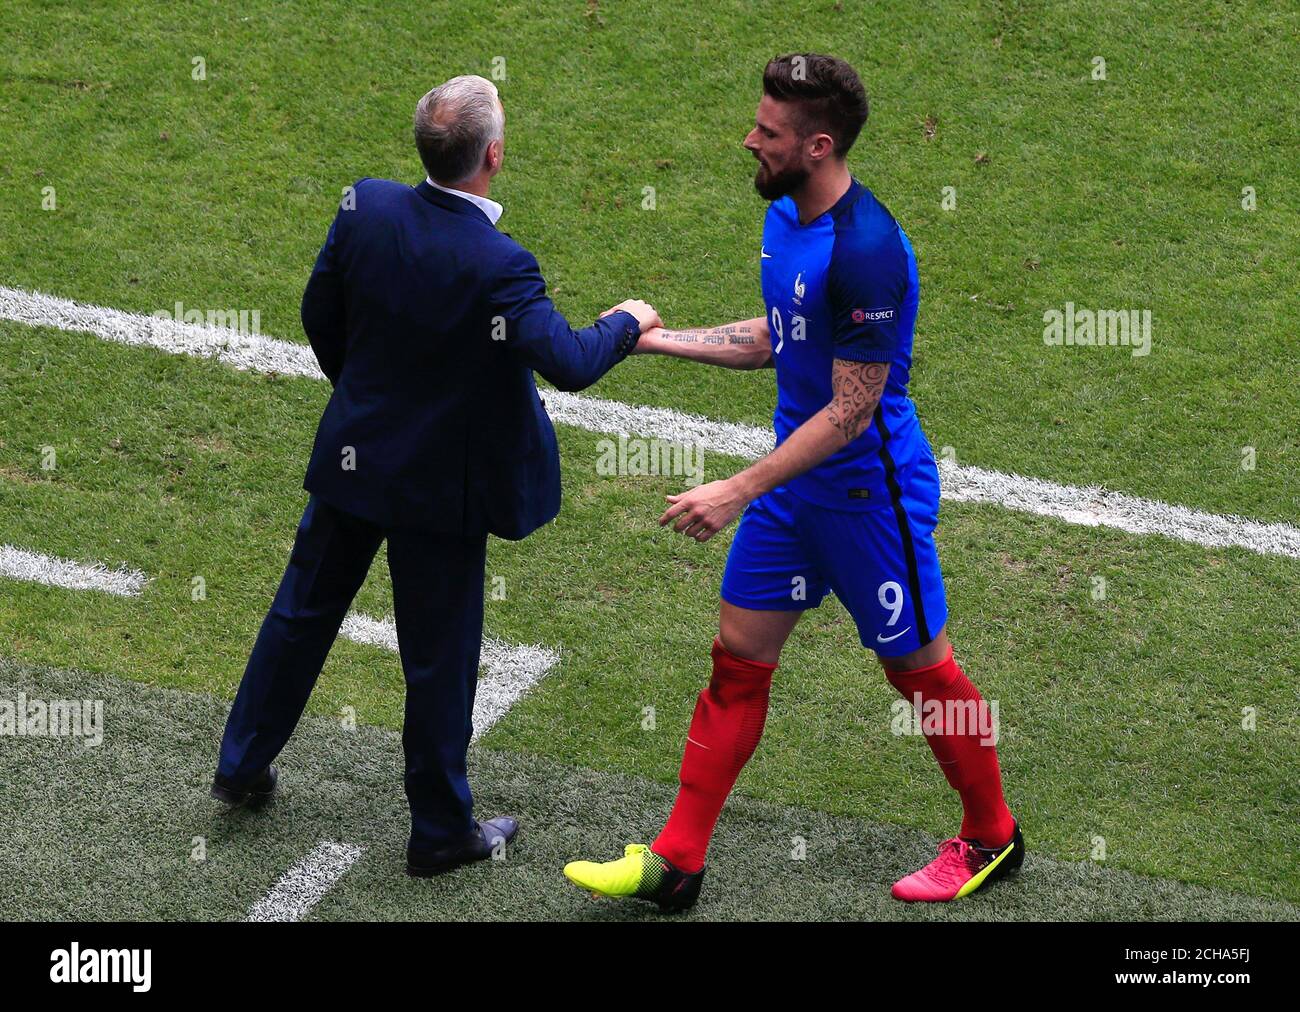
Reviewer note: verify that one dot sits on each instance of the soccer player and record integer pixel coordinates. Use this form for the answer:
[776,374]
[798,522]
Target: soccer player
[847,502]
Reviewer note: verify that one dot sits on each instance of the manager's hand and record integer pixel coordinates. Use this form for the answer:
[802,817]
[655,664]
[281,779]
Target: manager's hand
[645,314]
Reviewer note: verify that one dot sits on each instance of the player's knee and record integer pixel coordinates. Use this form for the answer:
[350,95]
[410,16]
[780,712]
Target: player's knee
[755,653]
[743,655]
[744,645]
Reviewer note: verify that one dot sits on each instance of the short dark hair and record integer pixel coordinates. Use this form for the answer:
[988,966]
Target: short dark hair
[828,92]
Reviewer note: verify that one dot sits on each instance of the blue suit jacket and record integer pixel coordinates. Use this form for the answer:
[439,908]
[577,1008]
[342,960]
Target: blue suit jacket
[429,323]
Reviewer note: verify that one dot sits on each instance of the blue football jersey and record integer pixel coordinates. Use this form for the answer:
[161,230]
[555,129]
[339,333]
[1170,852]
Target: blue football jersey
[843,286]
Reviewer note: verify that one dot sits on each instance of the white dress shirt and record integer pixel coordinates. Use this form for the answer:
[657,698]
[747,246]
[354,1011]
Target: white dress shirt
[489,207]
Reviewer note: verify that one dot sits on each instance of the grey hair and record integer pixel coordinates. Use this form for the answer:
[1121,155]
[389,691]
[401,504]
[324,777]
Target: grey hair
[454,124]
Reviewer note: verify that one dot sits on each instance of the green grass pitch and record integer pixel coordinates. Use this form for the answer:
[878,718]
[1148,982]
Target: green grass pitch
[1121,718]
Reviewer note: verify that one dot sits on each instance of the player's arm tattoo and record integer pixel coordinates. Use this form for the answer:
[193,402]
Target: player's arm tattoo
[736,333]
[855,391]
[743,345]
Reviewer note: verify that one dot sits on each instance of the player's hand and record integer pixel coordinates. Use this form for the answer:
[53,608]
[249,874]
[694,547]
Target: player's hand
[651,341]
[646,315]
[702,512]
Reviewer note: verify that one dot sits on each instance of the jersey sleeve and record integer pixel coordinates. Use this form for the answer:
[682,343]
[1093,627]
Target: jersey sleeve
[867,285]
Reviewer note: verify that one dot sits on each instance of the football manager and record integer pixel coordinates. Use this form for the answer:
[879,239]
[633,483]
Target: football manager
[429,322]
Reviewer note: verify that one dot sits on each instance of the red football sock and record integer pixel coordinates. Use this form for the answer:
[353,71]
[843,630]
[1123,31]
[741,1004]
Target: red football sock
[970,765]
[728,721]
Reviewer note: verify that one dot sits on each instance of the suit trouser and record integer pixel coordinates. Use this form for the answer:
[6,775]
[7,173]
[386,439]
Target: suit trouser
[438,606]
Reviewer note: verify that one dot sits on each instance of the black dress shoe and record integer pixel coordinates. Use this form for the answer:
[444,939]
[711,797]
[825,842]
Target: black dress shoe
[491,834]
[255,793]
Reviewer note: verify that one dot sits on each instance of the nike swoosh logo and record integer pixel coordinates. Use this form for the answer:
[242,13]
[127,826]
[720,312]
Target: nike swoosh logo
[890,639]
[764,255]
[694,742]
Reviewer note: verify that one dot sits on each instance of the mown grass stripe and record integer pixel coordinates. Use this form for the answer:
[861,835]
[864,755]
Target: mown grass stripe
[90,857]
[508,670]
[1090,506]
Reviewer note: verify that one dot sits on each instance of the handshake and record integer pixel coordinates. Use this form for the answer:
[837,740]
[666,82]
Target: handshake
[646,315]
[746,344]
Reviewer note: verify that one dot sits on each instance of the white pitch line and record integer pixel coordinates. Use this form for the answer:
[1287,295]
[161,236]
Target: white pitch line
[1091,506]
[20,564]
[243,351]
[597,415]
[508,671]
[305,883]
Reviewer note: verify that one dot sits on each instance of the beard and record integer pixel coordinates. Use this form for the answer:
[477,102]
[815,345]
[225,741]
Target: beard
[773,185]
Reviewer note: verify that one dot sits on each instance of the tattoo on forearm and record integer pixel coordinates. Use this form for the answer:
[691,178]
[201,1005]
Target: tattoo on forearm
[855,391]
[733,334]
